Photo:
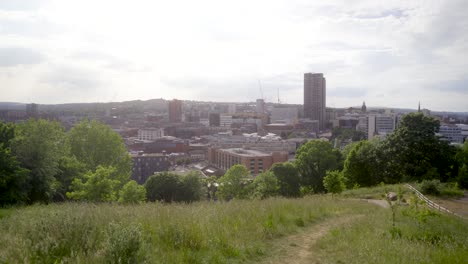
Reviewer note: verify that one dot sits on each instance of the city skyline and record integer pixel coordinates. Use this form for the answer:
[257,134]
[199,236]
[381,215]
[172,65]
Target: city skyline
[391,55]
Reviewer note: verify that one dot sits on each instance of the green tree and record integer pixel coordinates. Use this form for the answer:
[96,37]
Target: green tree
[191,187]
[313,159]
[362,165]
[413,150]
[132,192]
[265,185]
[289,181]
[163,186]
[334,182]
[39,145]
[96,144]
[98,186]
[462,160]
[69,168]
[14,180]
[235,183]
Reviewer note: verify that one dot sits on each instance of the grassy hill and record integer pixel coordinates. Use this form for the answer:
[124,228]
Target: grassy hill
[232,232]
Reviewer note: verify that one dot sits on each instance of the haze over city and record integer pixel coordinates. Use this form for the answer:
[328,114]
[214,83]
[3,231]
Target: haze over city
[393,55]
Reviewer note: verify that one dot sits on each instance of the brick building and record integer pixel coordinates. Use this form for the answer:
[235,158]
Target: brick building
[254,160]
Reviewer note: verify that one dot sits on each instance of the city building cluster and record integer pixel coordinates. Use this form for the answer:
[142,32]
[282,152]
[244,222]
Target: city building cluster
[211,137]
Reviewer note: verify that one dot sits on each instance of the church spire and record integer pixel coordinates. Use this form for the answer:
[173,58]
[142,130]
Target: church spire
[363,108]
[419,106]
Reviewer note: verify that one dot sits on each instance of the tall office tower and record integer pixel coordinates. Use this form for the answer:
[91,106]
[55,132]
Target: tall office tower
[175,111]
[315,97]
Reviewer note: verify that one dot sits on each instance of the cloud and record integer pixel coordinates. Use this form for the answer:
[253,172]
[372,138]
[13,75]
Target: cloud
[22,4]
[347,92]
[395,13]
[72,78]
[109,61]
[456,86]
[14,56]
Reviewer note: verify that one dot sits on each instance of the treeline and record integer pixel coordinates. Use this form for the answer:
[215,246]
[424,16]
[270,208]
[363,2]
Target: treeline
[40,162]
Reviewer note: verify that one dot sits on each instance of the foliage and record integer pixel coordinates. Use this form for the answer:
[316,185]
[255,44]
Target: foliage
[265,185]
[334,182]
[171,187]
[132,192]
[69,168]
[430,187]
[191,187]
[39,145]
[437,188]
[362,165]
[96,144]
[14,180]
[98,186]
[288,179]
[414,150]
[347,133]
[313,159]
[162,186]
[235,183]
[123,243]
[462,160]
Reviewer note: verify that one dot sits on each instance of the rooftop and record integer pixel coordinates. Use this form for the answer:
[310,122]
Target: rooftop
[246,152]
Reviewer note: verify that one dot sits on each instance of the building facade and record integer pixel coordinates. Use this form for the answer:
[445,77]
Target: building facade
[150,133]
[315,98]
[175,111]
[255,161]
[452,133]
[145,165]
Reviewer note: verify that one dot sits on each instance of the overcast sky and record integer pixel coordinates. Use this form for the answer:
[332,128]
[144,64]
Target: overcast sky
[387,53]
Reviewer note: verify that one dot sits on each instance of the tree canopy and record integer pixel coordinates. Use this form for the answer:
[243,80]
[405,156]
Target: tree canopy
[415,151]
[14,180]
[96,144]
[289,181]
[334,182]
[313,159]
[39,145]
[235,183]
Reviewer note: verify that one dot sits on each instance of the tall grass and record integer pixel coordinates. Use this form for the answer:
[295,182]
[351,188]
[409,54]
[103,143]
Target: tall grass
[375,192]
[158,233]
[437,239]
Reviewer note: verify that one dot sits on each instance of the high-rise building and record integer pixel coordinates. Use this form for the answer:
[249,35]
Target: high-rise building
[175,111]
[315,97]
[260,106]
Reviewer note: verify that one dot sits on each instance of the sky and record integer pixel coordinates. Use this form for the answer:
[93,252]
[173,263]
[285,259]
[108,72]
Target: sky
[386,53]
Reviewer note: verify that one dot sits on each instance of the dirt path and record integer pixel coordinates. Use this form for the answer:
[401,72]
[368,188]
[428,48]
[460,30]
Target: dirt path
[296,249]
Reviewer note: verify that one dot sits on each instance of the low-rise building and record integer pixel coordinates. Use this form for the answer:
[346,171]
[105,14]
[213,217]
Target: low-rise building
[150,133]
[452,133]
[255,161]
[145,165]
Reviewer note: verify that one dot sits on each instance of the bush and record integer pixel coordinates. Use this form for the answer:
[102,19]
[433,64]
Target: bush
[170,187]
[334,182]
[431,187]
[132,192]
[123,243]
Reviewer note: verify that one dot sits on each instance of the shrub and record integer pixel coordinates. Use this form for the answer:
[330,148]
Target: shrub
[431,187]
[123,243]
[132,192]
[334,182]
